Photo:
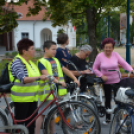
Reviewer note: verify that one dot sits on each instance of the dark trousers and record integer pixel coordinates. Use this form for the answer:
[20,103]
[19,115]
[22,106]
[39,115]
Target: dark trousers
[24,110]
[107,89]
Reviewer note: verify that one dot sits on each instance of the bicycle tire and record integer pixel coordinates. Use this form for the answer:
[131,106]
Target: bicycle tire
[3,122]
[88,101]
[118,118]
[95,122]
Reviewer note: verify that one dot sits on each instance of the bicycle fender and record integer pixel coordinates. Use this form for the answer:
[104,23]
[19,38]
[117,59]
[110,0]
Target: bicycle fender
[88,97]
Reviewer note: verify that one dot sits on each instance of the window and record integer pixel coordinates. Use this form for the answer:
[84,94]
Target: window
[24,35]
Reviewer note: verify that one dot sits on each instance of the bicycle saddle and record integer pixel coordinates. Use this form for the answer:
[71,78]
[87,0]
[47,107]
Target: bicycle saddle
[98,80]
[130,93]
[6,88]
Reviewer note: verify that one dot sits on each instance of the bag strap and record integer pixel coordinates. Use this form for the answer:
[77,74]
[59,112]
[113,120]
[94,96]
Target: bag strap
[14,79]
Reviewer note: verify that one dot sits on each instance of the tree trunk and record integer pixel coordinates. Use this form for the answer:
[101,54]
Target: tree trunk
[91,33]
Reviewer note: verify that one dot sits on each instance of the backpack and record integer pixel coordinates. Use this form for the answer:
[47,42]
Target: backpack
[4,78]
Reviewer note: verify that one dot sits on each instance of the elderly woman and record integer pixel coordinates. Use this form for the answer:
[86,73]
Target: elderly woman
[63,53]
[105,61]
[24,93]
[79,59]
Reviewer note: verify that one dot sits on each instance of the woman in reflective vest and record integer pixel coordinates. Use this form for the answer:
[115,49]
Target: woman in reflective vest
[24,93]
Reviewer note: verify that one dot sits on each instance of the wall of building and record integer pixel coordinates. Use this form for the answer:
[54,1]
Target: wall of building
[34,28]
[40,31]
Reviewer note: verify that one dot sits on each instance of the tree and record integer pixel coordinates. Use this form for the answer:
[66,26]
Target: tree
[8,17]
[93,10]
[114,28]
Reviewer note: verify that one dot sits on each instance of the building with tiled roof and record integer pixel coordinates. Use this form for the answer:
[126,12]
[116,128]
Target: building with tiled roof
[37,30]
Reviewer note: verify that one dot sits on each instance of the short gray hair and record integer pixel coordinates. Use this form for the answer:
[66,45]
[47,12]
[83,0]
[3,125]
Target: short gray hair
[86,48]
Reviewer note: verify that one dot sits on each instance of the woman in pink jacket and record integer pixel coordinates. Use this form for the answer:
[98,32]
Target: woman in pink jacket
[109,60]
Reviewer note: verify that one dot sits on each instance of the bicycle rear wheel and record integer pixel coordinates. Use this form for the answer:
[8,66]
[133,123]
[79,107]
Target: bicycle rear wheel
[81,117]
[118,119]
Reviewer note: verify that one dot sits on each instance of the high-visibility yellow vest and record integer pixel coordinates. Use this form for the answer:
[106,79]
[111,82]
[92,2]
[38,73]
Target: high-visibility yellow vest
[44,87]
[25,92]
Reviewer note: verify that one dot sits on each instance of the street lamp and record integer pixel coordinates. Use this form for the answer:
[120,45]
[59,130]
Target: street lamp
[108,25]
[104,19]
[128,44]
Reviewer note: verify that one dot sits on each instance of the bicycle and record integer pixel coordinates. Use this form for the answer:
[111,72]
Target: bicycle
[92,95]
[81,97]
[123,120]
[95,92]
[72,114]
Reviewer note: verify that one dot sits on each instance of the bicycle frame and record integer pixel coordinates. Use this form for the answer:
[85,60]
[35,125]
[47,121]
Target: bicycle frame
[28,118]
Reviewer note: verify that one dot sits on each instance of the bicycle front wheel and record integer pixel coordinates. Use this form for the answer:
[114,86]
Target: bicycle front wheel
[118,120]
[81,117]
[86,100]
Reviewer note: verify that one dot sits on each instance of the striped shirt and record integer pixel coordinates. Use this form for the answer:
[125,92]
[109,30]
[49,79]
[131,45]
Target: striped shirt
[19,70]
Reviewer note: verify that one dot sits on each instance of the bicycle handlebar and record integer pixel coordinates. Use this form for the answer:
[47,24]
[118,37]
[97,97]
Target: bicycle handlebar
[70,62]
[112,70]
[81,75]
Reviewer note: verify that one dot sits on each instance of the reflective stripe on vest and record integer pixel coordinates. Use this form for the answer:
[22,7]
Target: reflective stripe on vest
[61,90]
[25,92]
[26,85]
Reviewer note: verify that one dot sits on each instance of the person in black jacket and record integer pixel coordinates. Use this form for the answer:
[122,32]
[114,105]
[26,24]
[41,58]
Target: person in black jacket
[79,59]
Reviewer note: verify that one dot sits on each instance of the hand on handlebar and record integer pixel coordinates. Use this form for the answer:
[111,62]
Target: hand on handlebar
[132,71]
[63,84]
[77,82]
[104,78]
[43,77]
[86,72]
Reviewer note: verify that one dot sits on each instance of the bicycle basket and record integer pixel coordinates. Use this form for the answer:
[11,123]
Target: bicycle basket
[122,97]
[97,88]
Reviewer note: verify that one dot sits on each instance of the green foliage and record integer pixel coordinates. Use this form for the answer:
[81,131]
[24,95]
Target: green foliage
[38,49]
[8,19]
[60,31]
[73,51]
[14,53]
[122,70]
[102,28]
[88,12]
[131,33]
[7,54]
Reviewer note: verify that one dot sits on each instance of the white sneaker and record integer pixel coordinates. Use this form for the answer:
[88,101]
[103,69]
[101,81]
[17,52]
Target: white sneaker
[105,123]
